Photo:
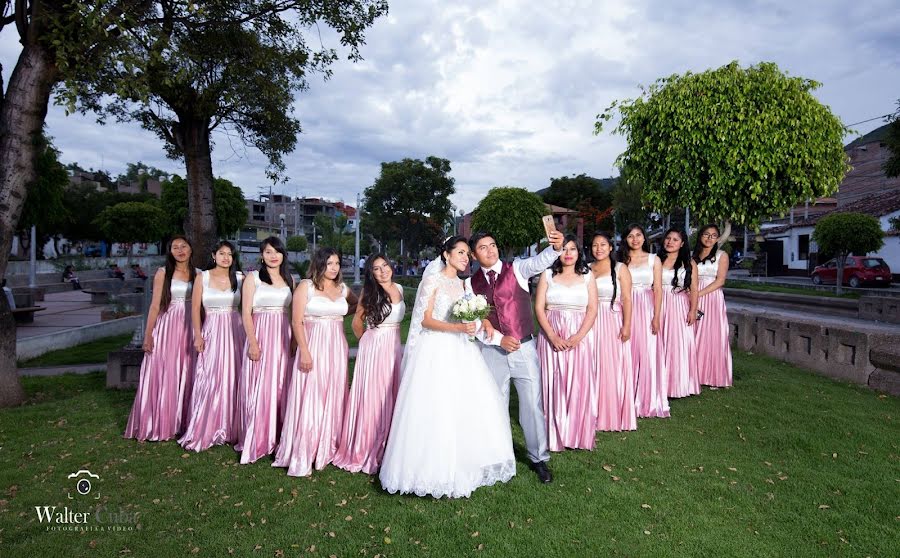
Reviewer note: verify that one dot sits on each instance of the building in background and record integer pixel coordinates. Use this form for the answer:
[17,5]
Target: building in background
[264,216]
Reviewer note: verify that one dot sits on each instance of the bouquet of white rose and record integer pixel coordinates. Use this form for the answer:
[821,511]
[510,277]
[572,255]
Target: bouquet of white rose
[471,308]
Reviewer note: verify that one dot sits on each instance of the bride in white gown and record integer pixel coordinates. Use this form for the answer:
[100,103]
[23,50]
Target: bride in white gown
[450,432]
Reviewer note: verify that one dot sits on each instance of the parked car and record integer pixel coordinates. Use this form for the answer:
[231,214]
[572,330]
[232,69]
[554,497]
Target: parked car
[858,270]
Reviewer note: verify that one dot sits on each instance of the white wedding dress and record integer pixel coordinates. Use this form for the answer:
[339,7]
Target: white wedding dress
[450,432]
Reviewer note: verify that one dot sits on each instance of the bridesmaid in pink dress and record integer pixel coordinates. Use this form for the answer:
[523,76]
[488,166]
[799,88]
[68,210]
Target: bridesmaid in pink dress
[318,389]
[161,405]
[650,374]
[566,307]
[676,337]
[713,342]
[219,345]
[266,369]
[615,378]
[376,376]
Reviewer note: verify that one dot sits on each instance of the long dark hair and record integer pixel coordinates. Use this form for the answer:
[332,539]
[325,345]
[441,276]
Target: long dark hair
[612,261]
[698,247]
[450,243]
[318,265]
[166,297]
[283,270]
[682,259]
[375,299]
[581,266]
[625,250]
[235,267]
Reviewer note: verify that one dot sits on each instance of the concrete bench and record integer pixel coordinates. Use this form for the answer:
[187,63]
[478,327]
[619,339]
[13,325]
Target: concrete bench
[26,315]
[97,296]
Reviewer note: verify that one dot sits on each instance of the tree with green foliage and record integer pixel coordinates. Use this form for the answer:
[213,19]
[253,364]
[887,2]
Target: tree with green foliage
[84,202]
[590,197]
[628,203]
[297,244]
[229,205]
[45,207]
[892,142]
[732,144]
[841,234]
[55,37]
[233,65]
[329,231]
[133,222]
[410,200]
[512,216]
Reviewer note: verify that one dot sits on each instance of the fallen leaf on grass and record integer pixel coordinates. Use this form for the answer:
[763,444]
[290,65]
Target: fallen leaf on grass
[646,506]
[824,506]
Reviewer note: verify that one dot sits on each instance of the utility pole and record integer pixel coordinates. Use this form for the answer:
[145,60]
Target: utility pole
[358,224]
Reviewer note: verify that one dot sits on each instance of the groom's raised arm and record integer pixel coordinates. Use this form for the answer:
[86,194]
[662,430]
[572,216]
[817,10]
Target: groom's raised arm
[529,267]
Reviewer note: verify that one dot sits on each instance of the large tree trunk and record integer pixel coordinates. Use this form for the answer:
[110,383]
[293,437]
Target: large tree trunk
[22,114]
[200,224]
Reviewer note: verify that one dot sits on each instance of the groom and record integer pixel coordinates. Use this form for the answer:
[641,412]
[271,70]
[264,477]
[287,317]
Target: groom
[511,353]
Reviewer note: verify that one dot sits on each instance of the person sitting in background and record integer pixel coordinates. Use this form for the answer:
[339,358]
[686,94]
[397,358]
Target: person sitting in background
[115,272]
[9,294]
[137,272]
[70,277]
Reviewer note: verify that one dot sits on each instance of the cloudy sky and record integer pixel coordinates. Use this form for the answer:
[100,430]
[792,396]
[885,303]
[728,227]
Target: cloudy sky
[508,90]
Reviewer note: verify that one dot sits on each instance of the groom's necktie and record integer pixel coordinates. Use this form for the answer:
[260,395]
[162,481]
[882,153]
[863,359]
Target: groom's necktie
[492,280]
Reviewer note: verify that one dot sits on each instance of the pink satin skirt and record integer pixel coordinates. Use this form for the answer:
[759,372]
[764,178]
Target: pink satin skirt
[615,378]
[315,406]
[212,412]
[713,342]
[569,384]
[262,387]
[162,402]
[650,374]
[677,344]
[367,418]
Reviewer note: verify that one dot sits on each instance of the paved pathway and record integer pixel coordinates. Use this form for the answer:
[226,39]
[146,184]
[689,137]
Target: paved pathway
[64,311]
[57,370]
[866,326]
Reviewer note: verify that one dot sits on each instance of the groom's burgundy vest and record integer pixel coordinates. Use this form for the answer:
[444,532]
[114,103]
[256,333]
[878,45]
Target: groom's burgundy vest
[511,313]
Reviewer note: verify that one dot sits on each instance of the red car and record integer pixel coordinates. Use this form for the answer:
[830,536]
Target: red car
[858,270]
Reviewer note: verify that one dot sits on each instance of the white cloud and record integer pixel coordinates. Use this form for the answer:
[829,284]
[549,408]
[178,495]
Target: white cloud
[508,90]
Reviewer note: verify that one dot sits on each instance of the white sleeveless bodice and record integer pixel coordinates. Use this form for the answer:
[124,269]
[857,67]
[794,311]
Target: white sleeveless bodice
[320,306]
[398,311]
[642,276]
[215,300]
[181,290]
[269,298]
[708,269]
[605,286]
[566,297]
[669,274]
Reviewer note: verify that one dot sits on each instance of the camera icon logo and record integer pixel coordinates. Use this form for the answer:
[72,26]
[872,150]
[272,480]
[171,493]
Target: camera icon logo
[83,483]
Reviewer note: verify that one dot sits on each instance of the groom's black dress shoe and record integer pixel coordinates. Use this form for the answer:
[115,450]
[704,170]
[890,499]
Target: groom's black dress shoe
[543,472]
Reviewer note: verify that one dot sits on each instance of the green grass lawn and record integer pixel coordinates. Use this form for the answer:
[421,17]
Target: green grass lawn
[786,463]
[88,353]
[763,287]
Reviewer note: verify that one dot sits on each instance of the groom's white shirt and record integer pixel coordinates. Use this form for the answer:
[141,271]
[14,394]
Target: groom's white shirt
[524,270]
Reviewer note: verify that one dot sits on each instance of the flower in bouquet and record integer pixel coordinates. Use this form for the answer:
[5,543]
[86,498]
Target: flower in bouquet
[471,308]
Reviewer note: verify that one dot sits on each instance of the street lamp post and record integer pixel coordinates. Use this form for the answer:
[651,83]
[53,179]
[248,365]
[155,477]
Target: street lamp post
[358,224]
[283,231]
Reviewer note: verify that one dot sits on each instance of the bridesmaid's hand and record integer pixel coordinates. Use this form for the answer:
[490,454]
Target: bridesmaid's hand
[654,325]
[305,364]
[691,318]
[574,341]
[624,334]
[199,343]
[558,343]
[148,344]
[253,351]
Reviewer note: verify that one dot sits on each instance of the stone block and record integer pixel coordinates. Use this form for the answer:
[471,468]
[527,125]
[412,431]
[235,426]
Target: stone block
[123,368]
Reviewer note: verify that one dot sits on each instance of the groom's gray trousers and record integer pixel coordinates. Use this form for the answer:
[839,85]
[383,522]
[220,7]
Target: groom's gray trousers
[523,369]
